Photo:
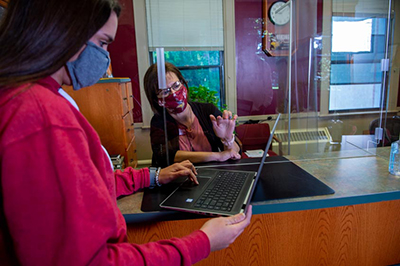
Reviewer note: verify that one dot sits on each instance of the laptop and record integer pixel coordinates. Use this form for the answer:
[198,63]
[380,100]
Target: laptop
[220,192]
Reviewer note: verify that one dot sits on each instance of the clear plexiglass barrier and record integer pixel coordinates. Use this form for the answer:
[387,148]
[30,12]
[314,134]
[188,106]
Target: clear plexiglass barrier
[330,67]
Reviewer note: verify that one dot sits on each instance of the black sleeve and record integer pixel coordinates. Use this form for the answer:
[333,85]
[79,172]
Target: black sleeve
[157,138]
[215,111]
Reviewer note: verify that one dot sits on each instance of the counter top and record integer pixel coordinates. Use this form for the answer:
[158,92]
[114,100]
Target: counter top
[112,80]
[357,176]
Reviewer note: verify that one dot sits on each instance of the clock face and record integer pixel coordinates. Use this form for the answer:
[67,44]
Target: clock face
[279,13]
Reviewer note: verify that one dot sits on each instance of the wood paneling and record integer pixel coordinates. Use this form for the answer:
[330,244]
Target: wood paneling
[365,234]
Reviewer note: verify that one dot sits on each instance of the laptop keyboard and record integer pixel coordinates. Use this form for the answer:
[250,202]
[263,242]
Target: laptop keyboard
[222,193]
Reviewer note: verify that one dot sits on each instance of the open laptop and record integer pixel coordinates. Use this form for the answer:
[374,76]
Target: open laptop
[220,192]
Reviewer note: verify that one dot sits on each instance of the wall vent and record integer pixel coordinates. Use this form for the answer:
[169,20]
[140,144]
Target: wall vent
[299,136]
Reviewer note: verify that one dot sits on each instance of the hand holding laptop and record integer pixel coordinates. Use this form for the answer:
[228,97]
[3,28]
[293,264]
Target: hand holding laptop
[185,168]
[224,230]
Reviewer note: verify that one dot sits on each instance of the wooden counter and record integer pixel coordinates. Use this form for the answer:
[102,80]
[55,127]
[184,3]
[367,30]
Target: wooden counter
[358,225]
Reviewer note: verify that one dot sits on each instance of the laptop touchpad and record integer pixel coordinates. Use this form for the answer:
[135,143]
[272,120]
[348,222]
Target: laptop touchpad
[204,172]
[190,184]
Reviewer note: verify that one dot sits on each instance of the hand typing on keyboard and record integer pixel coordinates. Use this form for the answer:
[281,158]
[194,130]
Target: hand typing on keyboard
[185,168]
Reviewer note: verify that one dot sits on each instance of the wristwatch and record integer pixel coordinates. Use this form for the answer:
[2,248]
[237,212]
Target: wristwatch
[153,171]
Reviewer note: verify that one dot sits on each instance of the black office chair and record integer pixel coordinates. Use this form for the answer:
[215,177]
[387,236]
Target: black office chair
[390,133]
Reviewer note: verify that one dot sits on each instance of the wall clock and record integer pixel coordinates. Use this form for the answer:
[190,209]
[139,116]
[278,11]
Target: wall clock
[276,27]
[279,13]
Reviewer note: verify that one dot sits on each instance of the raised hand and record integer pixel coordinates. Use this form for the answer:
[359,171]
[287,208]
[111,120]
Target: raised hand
[223,231]
[185,168]
[224,126]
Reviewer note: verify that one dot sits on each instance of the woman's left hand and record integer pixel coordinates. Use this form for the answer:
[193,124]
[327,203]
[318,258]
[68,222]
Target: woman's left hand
[224,126]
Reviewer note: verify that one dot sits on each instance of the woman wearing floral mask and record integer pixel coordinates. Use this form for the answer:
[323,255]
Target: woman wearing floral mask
[198,132]
[58,189]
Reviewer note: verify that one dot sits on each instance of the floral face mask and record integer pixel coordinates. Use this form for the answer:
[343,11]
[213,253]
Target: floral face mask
[176,102]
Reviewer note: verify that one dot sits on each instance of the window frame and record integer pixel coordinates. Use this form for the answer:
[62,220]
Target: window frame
[390,95]
[220,68]
[374,60]
[143,52]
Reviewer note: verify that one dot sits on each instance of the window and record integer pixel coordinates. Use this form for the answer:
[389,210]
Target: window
[351,36]
[356,77]
[199,68]
[191,33]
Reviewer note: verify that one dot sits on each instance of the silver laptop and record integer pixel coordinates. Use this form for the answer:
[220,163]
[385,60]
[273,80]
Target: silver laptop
[220,192]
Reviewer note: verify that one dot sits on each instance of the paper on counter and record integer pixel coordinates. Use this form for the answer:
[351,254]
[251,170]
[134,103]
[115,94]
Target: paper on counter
[255,153]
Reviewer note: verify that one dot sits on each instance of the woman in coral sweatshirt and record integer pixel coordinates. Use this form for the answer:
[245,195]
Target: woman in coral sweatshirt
[58,190]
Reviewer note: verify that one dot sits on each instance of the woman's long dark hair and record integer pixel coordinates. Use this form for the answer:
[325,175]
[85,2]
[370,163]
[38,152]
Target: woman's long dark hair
[37,37]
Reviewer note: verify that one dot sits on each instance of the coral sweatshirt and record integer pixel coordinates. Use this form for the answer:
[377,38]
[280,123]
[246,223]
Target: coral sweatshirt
[58,190]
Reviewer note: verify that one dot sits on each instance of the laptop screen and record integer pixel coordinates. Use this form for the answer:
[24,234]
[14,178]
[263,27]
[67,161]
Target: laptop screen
[271,136]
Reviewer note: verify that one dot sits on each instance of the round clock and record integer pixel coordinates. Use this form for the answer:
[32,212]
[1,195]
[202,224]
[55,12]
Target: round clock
[279,13]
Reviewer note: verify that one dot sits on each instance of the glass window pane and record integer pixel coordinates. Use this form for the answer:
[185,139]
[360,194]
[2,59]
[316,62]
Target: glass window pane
[209,78]
[356,76]
[351,36]
[202,70]
[356,73]
[348,97]
[191,58]
[185,23]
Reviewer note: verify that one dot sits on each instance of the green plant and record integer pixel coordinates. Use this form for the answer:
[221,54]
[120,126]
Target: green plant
[202,94]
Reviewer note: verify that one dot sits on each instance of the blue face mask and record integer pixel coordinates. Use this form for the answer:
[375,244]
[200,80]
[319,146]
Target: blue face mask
[90,66]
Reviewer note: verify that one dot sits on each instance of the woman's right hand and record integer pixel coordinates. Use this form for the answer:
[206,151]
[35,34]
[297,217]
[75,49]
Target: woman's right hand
[224,230]
[224,125]
[172,172]
[228,154]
